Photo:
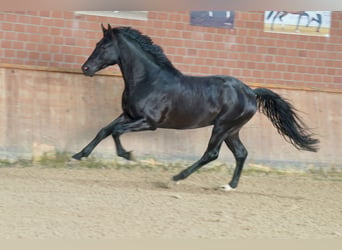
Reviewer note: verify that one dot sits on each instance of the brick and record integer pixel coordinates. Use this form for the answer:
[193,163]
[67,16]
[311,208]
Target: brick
[18,45]
[11,18]
[46,39]
[24,19]
[46,56]
[180,26]
[192,52]
[58,22]
[69,58]
[38,38]
[338,79]
[10,53]
[7,26]
[6,44]
[58,57]
[43,47]
[33,55]
[68,14]
[43,30]
[31,29]
[22,36]
[55,31]
[9,35]
[44,13]
[35,20]
[17,61]
[66,49]
[22,54]
[30,46]
[56,14]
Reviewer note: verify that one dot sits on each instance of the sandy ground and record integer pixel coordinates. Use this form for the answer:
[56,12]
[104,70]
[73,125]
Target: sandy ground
[79,203]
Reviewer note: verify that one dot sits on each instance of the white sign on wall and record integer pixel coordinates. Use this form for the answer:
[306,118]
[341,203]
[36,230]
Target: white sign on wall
[312,23]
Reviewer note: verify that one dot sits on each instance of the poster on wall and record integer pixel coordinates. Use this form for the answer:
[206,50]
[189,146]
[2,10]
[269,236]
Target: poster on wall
[218,19]
[311,23]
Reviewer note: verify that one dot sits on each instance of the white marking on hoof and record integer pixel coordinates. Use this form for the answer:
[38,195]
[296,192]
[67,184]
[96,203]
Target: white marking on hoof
[172,183]
[226,188]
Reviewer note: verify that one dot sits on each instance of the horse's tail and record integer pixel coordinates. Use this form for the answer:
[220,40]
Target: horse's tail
[285,120]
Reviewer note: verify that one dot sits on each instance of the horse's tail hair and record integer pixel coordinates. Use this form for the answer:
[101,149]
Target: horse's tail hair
[285,120]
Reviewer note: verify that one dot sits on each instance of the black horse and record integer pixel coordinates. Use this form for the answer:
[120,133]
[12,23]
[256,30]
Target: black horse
[157,95]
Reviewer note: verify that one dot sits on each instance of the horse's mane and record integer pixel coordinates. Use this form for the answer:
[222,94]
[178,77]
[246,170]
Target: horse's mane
[147,45]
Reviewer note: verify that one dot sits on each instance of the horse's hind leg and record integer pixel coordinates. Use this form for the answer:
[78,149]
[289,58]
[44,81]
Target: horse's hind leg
[210,154]
[240,153]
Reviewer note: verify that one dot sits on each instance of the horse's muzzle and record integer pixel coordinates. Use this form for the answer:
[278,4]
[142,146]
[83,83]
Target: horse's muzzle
[86,70]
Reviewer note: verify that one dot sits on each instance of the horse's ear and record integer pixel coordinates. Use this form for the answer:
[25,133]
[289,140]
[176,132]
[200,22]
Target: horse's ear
[103,29]
[110,30]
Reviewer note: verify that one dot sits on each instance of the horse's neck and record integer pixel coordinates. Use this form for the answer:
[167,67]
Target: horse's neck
[135,66]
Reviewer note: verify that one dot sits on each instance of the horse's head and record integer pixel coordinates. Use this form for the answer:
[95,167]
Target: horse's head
[106,53]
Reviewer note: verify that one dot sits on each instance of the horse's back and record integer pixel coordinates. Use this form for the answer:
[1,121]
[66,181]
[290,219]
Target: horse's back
[201,101]
[229,89]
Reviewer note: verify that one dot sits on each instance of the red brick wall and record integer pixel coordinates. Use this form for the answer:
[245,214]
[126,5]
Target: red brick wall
[64,39]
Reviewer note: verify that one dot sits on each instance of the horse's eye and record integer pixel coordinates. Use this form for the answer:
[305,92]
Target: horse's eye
[103,46]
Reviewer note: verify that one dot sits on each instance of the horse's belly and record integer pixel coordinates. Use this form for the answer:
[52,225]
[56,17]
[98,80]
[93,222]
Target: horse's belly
[188,120]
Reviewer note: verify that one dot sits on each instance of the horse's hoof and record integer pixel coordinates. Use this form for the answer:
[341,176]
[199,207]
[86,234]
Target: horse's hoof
[131,156]
[128,156]
[77,156]
[181,176]
[176,178]
[172,183]
[226,188]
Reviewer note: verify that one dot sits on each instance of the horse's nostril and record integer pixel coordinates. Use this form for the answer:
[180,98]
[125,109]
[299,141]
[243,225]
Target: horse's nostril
[85,68]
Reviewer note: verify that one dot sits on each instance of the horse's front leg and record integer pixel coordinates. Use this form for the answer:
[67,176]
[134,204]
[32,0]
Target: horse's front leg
[119,148]
[102,134]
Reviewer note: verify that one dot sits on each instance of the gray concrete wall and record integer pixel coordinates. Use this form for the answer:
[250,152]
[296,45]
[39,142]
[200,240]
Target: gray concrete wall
[44,111]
